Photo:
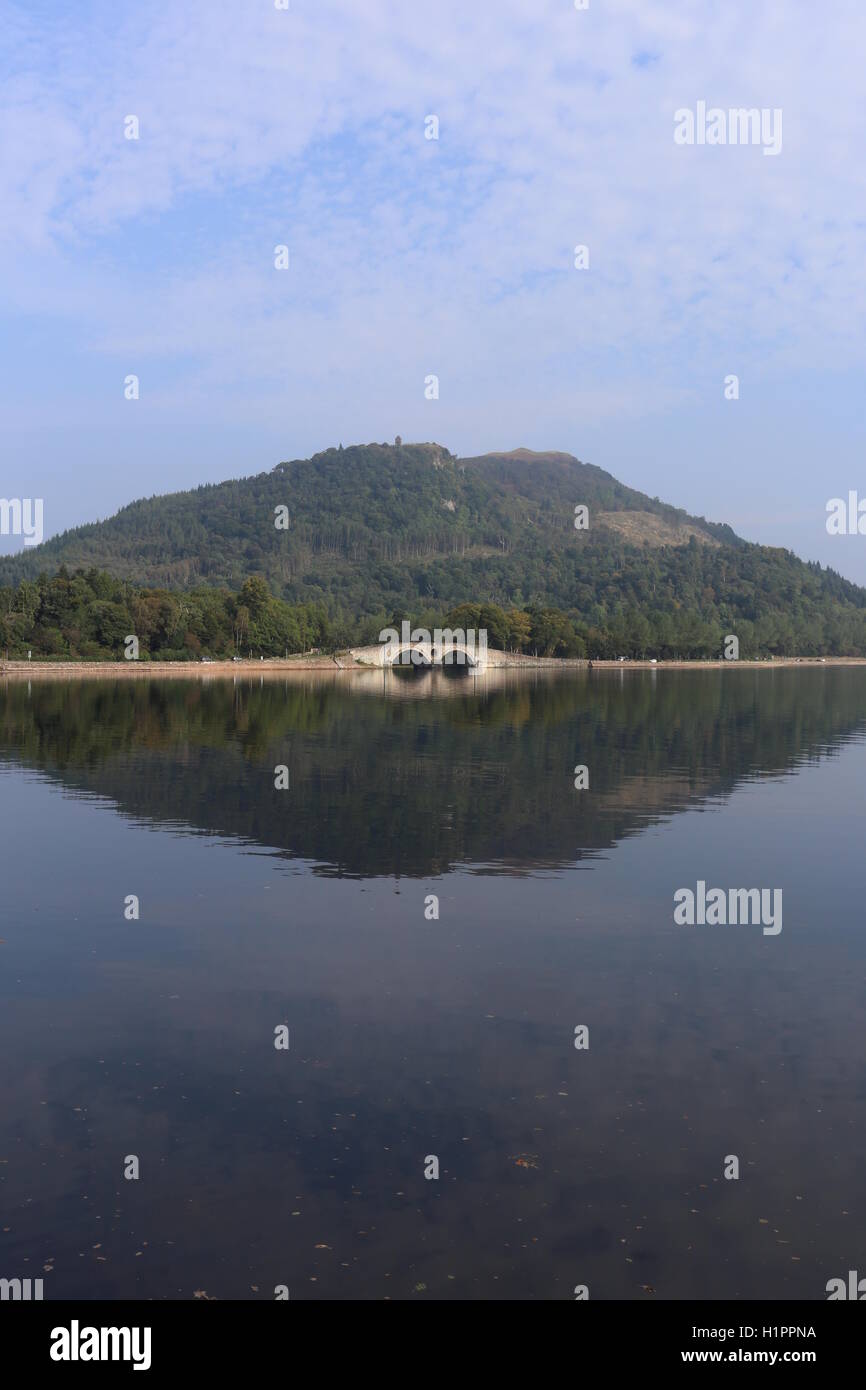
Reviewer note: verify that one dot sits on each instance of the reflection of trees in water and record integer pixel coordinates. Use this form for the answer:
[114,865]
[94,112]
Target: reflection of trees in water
[388,779]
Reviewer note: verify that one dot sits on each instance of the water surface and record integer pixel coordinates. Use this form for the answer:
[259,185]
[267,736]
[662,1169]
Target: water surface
[413,1037]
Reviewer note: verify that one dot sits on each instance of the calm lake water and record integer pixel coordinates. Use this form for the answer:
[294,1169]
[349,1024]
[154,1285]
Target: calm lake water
[412,1037]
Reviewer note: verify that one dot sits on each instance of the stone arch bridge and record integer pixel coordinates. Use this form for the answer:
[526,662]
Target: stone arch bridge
[448,652]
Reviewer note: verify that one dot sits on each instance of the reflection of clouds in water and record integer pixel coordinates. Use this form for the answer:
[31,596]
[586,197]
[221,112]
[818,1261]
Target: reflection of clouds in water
[452,1038]
[410,1037]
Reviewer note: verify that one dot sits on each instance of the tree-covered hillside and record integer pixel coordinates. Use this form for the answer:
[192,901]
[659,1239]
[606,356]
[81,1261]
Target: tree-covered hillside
[368,522]
[359,533]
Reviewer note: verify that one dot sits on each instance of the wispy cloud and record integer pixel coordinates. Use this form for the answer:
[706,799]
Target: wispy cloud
[408,256]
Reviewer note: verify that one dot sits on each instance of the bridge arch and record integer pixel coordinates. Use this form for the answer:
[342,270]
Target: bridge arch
[431,654]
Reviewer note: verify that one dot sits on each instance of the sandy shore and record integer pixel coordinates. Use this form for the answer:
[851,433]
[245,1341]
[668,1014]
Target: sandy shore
[191,670]
[343,663]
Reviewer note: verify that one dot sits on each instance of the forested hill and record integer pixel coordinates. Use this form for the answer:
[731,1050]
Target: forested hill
[378,528]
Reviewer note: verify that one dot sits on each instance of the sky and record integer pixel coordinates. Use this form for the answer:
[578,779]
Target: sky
[409,257]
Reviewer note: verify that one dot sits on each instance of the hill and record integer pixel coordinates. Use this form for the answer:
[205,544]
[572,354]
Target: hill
[365,520]
[377,529]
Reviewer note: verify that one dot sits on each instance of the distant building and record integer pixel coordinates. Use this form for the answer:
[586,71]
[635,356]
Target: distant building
[398,442]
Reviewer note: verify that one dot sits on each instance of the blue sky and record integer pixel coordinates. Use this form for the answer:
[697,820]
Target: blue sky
[410,256]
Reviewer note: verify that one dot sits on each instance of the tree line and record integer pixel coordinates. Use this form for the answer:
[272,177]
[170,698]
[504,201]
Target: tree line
[88,614]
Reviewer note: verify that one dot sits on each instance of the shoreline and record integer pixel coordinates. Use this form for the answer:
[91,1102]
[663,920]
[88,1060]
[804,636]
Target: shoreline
[721,663]
[193,670]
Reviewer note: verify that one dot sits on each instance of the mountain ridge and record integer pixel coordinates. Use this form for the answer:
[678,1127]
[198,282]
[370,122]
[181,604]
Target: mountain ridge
[80,545]
[373,529]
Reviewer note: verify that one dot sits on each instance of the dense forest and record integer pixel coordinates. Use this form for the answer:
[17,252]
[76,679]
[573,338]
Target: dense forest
[89,615]
[324,552]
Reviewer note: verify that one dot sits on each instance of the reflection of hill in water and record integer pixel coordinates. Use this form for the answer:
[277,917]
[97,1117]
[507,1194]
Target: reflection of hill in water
[385,782]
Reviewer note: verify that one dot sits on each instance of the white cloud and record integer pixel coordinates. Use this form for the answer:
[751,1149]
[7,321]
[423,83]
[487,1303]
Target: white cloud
[260,126]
